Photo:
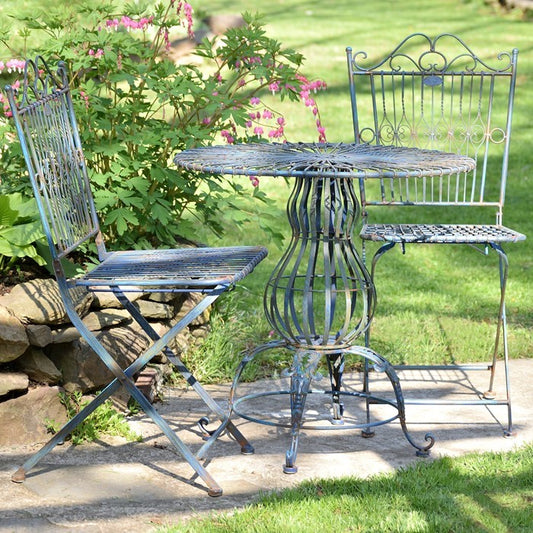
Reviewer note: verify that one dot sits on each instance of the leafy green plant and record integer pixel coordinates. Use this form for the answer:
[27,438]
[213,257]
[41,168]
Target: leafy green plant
[105,420]
[137,107]
[20,230]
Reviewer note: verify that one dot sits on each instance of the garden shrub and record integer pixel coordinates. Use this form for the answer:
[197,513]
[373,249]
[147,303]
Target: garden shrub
[137,107]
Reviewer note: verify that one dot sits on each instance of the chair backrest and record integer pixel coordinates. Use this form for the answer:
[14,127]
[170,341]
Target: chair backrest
[436,94]
[47,129]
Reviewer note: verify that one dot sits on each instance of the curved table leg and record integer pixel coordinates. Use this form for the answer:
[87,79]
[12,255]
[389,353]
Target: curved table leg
[382,365]
[336,369]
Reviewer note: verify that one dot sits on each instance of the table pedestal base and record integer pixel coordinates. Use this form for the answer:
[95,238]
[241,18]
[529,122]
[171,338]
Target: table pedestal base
[301,374]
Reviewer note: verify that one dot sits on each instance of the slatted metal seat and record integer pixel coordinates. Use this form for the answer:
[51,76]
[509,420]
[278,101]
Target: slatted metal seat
[437,94]
[48,133]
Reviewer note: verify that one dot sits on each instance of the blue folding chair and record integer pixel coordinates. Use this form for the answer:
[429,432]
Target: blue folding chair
[48,133]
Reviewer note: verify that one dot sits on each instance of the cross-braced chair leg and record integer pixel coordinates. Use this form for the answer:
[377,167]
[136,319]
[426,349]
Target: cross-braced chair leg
[124,378]
[488,397]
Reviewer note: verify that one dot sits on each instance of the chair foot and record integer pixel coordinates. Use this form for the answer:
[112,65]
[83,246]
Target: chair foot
[214,493]
[509,434]
[202,423]
[367,434]
[489,395]
[247,449]
[19,476]
[290,469]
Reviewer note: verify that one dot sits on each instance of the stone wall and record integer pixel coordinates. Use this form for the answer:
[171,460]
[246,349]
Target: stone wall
[41,352]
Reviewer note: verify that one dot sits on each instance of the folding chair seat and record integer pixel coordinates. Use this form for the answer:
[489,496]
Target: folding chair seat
[48,133]
[438,94]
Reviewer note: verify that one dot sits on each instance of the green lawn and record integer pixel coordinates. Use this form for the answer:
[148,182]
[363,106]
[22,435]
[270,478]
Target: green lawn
[477,493]
[433,298]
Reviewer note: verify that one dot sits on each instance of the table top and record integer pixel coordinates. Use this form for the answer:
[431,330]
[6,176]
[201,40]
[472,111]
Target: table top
[322,160]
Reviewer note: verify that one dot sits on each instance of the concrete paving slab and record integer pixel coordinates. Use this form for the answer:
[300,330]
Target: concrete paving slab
[125,486]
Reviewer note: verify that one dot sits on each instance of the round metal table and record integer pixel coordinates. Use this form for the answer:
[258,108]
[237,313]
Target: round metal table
[320,297]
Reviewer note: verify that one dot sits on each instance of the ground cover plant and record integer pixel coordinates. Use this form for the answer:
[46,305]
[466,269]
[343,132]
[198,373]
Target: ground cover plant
[137,106]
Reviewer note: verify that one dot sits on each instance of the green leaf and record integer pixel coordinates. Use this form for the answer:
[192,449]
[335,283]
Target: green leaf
[7,214]
[22,234]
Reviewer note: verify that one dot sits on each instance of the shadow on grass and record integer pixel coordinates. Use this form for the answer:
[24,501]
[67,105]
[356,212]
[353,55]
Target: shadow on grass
[488,492]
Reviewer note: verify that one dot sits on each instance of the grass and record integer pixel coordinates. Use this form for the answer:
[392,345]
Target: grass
[483,492]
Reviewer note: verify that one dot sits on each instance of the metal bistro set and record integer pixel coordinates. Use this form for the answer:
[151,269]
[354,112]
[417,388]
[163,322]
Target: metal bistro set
[432,125]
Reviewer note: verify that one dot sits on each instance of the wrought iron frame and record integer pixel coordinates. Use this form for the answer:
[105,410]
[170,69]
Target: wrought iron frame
[320,297]
[437,93]
[47,129]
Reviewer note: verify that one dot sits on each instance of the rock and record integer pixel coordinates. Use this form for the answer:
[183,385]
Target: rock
[39,335]
[187,305]
[64,335]
[83,370]
[166,297]
[220,24]
[154,310]
[24,419]
[13,382]
[38,302]
[13,338]
[106,300]
[104,319]
[38,367]
[95,321]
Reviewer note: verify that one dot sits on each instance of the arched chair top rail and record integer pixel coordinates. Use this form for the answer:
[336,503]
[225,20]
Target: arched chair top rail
[39,82]
[433,59]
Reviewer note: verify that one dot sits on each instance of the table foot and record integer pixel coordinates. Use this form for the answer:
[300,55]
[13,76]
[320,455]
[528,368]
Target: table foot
[382,365]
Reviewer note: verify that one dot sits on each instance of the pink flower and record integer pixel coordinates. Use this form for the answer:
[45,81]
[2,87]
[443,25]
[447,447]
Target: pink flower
[258,130]
[166,38]
[254,180]
[112,23]
[267,114]
[274,87]
[227,135]
[14,65]
[254,100]
[187,22]
[85,98]
[99,53]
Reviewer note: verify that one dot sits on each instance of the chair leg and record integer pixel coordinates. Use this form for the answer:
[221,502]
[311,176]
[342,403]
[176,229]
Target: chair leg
[226,423]
[501,332]
[369,431]
[124,377]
